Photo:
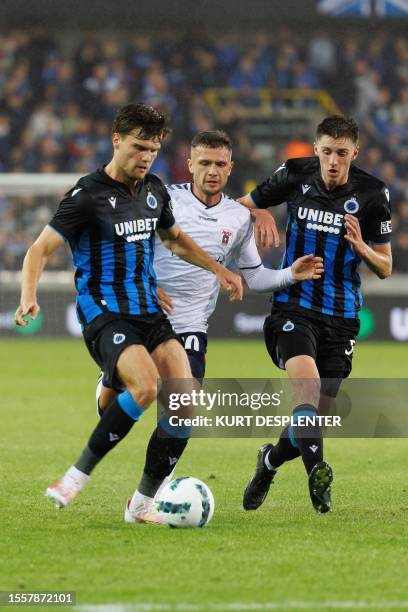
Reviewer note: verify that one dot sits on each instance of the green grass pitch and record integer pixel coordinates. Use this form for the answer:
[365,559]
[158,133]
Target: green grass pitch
[283,556]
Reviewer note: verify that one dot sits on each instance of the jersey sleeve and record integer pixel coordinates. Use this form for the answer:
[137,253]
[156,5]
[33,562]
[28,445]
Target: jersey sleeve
[72,214]
[246,255]
[378,226]
[167,219]
[273,190]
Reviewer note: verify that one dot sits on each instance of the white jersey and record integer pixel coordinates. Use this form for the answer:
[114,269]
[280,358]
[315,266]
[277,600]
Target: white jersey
[225,232]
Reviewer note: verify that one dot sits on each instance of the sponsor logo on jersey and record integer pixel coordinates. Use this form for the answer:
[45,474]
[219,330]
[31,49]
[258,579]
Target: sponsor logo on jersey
[225,236]
[151,201]
[207,218]
[289,326]
[351,206]
[386,227]
[386,192]
[112,201]
[321,220]
[137,229]
[305,189]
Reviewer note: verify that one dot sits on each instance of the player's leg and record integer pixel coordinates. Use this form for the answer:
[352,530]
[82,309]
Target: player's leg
[304,375]
[129,363]
[292,344]
[166,443]
[104,394]
[306,442]
[195,344]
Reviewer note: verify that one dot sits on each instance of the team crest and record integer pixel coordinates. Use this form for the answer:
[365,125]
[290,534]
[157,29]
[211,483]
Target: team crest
[151,201]
[351,206]
[118,338]
[225,237]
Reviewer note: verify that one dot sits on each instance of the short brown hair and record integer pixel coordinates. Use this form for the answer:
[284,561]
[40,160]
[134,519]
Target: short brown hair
[338,126]
[214,139]
[152,123]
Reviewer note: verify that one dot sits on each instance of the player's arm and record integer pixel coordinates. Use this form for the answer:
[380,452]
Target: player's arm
[271,192]
[376,231]
[266,231]
[184,247]
[34,262]
[378,257]
[165,301]
[263,279]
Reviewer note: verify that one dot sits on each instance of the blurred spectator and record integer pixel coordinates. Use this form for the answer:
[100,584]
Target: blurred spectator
[321,53]
[44,122]
[304,77]
[248,75]
[366,82]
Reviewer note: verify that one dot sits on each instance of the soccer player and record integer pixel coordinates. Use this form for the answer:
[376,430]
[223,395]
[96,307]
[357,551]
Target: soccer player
[110,219]
[224,229]
[341,213]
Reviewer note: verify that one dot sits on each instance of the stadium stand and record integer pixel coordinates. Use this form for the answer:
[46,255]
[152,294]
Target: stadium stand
[58,96]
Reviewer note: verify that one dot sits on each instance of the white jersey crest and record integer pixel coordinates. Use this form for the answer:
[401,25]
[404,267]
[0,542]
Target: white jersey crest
[225,232]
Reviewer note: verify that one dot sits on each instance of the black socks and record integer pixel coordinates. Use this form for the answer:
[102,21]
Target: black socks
[114,425]
[304,439]
[163,452]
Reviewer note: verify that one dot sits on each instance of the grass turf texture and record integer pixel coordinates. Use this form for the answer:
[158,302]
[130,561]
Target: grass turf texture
[282,552]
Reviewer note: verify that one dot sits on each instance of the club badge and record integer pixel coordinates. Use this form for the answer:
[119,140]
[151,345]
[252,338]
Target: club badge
[151,201]
[118,338]
[225,237]
[351,206]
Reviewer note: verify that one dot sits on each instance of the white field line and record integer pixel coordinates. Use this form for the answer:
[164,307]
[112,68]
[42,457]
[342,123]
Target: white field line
[230,607]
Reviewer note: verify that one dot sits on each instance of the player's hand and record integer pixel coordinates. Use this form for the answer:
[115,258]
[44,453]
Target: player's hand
[307,267]
[231,282]
[26,312]
[353,235]
[266,232]
[165,301]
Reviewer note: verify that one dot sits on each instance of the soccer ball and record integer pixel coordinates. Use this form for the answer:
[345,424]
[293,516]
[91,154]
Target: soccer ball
[185,502]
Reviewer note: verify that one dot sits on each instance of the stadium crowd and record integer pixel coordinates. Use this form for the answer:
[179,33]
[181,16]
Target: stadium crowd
[58,96]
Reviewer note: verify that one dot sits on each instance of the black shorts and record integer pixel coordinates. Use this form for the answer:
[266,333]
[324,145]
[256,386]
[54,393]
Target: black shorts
[330,341]
[106,343]
[195,345]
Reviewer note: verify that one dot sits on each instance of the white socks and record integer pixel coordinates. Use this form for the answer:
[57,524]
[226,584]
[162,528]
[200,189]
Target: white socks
[138,500]
[74,479]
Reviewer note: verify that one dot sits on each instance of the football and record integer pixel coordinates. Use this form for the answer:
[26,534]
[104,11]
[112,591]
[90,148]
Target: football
[186,502]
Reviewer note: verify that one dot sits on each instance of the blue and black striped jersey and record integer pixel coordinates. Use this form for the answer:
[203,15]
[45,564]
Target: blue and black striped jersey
[111,234]
[316,225]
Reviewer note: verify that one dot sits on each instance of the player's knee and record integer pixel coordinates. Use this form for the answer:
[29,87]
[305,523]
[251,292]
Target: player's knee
[144,393]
